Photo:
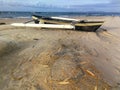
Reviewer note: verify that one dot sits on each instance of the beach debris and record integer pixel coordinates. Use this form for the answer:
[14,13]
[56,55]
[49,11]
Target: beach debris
[64,82]
[82,63]
[90,73]
[96,88]
[35,39]
[45,66]
[105,88]
[2,23]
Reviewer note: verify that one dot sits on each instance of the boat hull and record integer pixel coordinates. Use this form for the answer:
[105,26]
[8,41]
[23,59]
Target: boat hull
[87,28]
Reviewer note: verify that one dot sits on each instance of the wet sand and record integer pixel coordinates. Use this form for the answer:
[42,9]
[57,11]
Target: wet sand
[46,59]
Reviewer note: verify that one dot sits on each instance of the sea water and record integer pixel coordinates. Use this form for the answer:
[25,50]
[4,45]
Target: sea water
[13,14]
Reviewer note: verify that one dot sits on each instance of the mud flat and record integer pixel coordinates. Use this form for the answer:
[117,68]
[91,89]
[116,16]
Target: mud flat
[41,59]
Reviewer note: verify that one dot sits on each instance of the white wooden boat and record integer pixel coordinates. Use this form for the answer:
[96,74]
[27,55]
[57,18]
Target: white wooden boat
[82,25]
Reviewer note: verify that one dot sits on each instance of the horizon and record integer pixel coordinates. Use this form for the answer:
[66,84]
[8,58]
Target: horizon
[80,12]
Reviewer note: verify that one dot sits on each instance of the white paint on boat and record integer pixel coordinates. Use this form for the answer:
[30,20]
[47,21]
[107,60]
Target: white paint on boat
[44,25]
[68,19]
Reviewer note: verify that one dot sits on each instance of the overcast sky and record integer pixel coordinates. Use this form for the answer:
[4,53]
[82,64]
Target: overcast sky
[58,2]
[41,5]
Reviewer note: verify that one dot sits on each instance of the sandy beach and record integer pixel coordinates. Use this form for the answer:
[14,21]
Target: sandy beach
[46,59]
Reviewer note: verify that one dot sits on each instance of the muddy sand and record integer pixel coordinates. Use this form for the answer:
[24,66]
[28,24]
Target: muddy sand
[46,59]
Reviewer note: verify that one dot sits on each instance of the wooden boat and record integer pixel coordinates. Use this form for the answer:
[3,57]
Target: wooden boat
[82,25]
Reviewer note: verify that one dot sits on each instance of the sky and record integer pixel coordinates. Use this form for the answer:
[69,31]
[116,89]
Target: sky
[60,5]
